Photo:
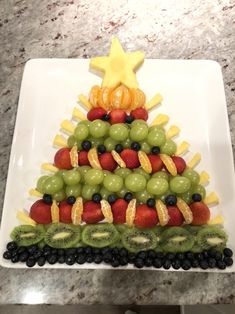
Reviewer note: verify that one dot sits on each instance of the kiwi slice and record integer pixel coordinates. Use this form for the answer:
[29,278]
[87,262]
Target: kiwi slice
[121,228]
[135,240]
[176,239]
[62,236]
[100,235]
[26,235]
[118,243]
[212,236]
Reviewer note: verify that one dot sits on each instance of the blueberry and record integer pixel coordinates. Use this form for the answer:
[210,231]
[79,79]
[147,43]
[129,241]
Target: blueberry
[88,250]
[54,251]
[60,252]
[32,249]
[81,259]
[101,149]
[90,258]
[131,257]
[203,264]
[107,257]
[106,117]
[171,200]
[186,265]
[212,253]
[142,255]
[105,250]
[151,254]
[166,264]
[80,250]
[70,260]
[96,198]
[112,198]
[70,251]
[11,246]
[196,197]
[227,252]
[129,119]
[157,263]
[180,256]
[30,262]
[86,145]
[206,254]
[228,261]
[37,254]
[151,202]
[115,263]
[195,263]
[71,200]
[123,252]
[135,146]
[23,256]
[160,254]
[98,259]
[21,249]
[211,262]
[176,264]
[155,150]
[14,253]
[15,259]
[148,262]
[115,251]
[41,261]
[139,262]
[199,256]
[119,148]
[128,196]
[221,264]
[218,256]
[96,251]
[7,255]
[52,259]
[61,259]
[170,256]
[46,250]
[123,261]
[47,198]
[189,256]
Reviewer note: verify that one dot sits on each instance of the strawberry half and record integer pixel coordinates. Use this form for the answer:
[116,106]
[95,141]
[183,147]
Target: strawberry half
[107,161]
[201,213]
[140,113]
[130,157]
[156,162]
[92,213]
[41,212]
[62,159]
[179,163]
[146,217]
[65,212]
[117,116]
[96,113]
[176,217]
[83,158]
[119,211]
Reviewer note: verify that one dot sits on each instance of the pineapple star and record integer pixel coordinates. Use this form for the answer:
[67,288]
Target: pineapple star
[118,67]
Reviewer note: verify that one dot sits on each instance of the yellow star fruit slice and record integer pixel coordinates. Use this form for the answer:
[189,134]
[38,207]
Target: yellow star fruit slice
[217,220]
[204,178]
[153,102]
[33,192]
[173,131]
[162,212]
[93,158]
[145,162]
[78,115]
[84,101]
[74,156]
[77,210]
[49,167]
[23,217]
[67,126]
[107,211]
[182,148]
[194,161]
[55,217]
[169,163]
[161,120]
[118,159]
[60,141]
[130,212]
[185,210]
[211,199]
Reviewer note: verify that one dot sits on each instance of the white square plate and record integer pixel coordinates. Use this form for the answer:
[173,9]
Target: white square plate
[193,98]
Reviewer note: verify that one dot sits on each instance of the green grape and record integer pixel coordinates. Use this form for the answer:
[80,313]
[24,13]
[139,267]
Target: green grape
[161,174]
[110,144]
[98,128]
[40,183]
[73,190]
[157,186]
[169,148]
[142,172]
[138,122]
[143,196]
[53,184]
[113,183]
[59,196]
[61,173]
[119,132]
[192,175]
[72,177]
[83,170]
[127,143]
[94,176]
[104,193]
[135,182]
[81,132]
[89,190]
[145,147]
[79,145]
[85,122]
[186,196]
[200,190]
[122,172]
[156,127]
[138,132]
[156,138]
[95,142]
[122,192]
[106,172]
[71,141]
[180,184]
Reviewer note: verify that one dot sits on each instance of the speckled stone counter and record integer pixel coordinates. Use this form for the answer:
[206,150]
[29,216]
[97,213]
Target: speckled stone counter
[180,29]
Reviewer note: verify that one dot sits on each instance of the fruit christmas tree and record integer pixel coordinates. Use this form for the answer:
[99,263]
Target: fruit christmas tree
[120,191]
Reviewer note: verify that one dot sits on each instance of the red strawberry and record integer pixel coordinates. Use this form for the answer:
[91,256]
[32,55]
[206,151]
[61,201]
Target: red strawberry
[65,212]
[145,217]
[140,113]
[62,159]
[179,163]
[83,159]
[96,113]
[117,116]
[119,211]
[107,162]
[201,213]
[156,163]
[176,217]
[92,213]
[41,212]
[131,158]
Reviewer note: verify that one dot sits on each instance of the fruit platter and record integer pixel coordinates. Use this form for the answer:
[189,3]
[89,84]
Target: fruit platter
[121,184]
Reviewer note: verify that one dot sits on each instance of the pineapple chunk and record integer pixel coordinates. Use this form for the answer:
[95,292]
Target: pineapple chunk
[182,148]
[204,177]
[173,131]
[49,167]
[212,198]
[161,120]
[194,161]
[33,192]
[23,217]
[84,101]
[77,114]
[67,126]
[153,102]
[218,220]
[60,141]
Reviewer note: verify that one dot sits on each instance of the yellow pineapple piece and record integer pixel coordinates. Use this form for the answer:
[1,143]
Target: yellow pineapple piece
[169,163]
[118,159]
[182,148]
[173,131]
[84,101]
[33,192]
[93,158]
[118,67]
[78,115]
[194,161]
[161,120]
[130,212]
[60,141]
[67,126]
[162,212]
[217,220]
[153,102]
[107,211]
[211,198]
[23,217]
[185,210]
[77,210]
[204,178]
[49,167]
[55,212]
[74,156]
[145,162]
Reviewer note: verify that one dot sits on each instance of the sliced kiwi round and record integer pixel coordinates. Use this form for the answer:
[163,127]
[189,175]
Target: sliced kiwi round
[100,235]
[135,240]
[212,236]
[118,243]
[121,227]
[62,236]
[26,235]
[176,239]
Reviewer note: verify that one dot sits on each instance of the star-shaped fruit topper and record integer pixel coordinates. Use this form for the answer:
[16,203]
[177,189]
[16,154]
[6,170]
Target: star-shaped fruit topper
[119,66]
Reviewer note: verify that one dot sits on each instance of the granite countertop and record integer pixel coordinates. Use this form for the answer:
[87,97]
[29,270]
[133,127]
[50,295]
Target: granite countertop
[180,29]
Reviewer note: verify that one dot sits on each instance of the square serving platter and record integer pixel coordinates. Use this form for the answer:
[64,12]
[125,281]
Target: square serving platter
[193,97]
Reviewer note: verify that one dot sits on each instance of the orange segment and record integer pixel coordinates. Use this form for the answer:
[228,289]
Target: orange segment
[137,98]
[74,156]
[144,162]
[169,163]
[185,210]
[77,210]
[93,97]
[55,212]
[93,158]
[162,212]
[118,159]
[130,212]
[107,211]
[103,97]
[120,98]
